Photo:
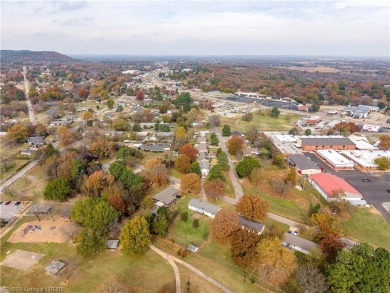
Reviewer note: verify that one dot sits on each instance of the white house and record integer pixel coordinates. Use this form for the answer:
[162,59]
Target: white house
[203,207]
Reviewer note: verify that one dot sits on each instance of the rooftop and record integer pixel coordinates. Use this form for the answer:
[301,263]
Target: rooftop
[302,162]
[331,183]
[205,206]
[259,227]
[335,158]
[167,196]
[365,158]
[54,267]
[326,140]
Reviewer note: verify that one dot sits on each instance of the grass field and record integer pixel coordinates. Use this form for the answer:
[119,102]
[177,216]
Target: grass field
[284,207]
[31,185]
[283,123]
[368,227]
[149,273]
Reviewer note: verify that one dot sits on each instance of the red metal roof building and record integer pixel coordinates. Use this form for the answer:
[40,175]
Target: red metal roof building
[329,185]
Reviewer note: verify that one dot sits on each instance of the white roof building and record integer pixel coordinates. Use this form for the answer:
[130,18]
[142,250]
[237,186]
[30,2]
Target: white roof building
[361,142]
[335,159]
[365,158]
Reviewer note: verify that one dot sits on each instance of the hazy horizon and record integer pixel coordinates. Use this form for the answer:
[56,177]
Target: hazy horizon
[340,28]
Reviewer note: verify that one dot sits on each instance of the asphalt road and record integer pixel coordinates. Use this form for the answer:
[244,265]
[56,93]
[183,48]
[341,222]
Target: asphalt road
[31,113]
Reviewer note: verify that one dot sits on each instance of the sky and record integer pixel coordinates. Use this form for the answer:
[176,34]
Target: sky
[316,28]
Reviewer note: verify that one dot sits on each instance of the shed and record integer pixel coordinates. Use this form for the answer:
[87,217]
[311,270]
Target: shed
[112,244]
[193,248]
[55,267]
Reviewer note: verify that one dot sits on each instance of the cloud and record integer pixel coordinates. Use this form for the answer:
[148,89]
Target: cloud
[77,21]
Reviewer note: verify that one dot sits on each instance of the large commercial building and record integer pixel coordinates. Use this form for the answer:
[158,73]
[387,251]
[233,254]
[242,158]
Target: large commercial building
[365,159]
[335,160]
[324,142]
[332,188]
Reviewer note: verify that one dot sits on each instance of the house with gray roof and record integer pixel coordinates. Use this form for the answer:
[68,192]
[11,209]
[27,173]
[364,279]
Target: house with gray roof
[297,243]
[204,168]
[166,197]
[36,141]
[251,226]
[203,207]
[303,164]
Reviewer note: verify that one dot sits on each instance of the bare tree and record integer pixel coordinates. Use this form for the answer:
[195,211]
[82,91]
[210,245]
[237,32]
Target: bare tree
[71,230]
[310,279]
[280,186]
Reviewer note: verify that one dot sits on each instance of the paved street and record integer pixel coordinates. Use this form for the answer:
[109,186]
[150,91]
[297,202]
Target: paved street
[31,113]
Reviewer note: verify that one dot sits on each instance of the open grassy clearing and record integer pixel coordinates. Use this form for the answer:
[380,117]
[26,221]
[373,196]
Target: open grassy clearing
[31,185]
[149,273]
[193,283]
[283,123]
[285,207]
[8,151]
[16,165]
[174,173]
[213,265]
[368,227]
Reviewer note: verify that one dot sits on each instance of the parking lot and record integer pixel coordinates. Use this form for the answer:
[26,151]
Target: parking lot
[8,211]
[268,103]
[375,188]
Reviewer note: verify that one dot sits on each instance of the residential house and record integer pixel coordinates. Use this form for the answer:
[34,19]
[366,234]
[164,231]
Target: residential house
[203,207]
[251,226]
[36,141]
[297,243]
[166,197]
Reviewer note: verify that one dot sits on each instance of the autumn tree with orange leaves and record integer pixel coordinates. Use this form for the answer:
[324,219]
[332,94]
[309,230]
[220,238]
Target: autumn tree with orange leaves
[253,207]
[214,189]
[156,171]
[235,145]
[97,182]
[190,184]
[223,226]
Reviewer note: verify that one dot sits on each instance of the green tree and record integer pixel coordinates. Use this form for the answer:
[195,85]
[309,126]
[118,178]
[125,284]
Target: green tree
[361,269]
[247,165]
[214,139]
[215,173]
[279,161]
[194,168]
[160,225]
[136,127]
[308,132]
[274,112]
[226,130]
[58,189]
[223,161]
[110,103]
[120,125]
[383,163]
[135,236]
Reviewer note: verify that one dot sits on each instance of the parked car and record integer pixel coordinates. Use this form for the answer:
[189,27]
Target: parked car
[1,202]
[7,203]
[18,203]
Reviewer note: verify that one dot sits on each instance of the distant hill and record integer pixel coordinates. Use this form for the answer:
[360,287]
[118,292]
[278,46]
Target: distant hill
[34,56]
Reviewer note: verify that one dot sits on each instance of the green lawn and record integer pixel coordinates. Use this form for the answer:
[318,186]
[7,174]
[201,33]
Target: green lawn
[282,123]
[174,173]
[143,274]
[184,232]
[283,207]
[368,227]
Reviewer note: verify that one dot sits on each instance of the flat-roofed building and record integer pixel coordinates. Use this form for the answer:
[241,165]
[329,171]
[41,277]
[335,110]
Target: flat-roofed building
[303,164]
[284,143]
[323,142]
[335,160]
[365,159]
[361,142]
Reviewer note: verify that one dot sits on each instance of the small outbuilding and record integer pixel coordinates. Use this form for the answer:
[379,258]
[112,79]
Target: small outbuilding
[303,164]
[112,244]
[193,247]
[55,267]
